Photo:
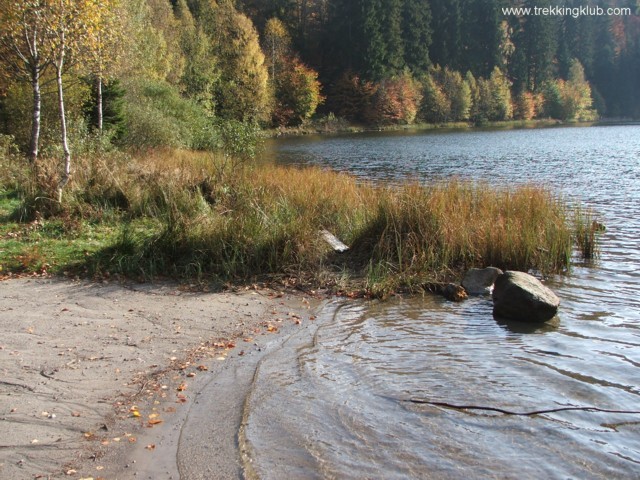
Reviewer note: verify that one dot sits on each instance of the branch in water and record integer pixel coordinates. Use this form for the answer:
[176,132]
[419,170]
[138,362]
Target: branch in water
[522,414]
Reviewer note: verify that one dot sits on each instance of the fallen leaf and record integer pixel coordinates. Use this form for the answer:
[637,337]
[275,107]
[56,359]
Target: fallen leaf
[202,368]
[191,374]
[272,328]
[75,414]
[151,446]
[105,442]
[135,413]
[182,387]
[154,421]
[99,467]
[132,440]
[71,472]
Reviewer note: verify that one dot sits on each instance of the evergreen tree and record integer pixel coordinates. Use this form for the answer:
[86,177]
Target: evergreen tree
[392,31]
[446,47]
[536,45]
[416,35]
[374,60]
[482,35]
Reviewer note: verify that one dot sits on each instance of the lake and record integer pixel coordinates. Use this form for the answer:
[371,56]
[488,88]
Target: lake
[338,405]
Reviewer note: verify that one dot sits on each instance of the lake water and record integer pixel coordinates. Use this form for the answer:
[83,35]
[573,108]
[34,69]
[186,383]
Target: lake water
[338,405]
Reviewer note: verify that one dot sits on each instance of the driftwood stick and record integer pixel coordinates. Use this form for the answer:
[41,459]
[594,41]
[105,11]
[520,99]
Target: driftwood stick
[20,385]
[522,414]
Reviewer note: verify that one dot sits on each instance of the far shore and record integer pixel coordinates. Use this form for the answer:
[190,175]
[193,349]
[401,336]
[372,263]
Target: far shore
[319,128]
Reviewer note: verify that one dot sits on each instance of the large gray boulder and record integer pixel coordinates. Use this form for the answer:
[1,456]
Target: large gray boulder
[520,296]
[479,281]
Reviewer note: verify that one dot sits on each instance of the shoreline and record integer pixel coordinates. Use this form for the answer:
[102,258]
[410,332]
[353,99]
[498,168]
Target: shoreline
[99,378]
[310,130]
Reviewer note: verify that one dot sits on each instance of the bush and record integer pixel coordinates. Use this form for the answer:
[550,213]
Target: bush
[157,116]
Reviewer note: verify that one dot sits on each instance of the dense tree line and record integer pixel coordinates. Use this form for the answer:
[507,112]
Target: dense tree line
[144,73]
[378,40]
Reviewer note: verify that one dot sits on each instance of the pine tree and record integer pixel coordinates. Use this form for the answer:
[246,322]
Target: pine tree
[446,48]
[482,35]
[416,35]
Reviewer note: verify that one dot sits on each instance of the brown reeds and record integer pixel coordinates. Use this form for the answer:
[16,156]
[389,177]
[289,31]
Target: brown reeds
[186,213]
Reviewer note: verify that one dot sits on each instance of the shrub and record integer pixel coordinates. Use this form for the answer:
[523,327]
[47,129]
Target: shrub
[157,116]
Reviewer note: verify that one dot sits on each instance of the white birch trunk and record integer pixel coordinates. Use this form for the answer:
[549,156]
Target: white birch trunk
[37,108]
[100,114]
[66,174]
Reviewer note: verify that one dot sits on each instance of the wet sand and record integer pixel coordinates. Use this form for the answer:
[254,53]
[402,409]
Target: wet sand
[104,380]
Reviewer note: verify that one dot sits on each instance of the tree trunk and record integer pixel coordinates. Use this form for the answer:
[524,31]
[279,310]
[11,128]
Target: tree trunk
[100,114]
[37,107]
[66,175]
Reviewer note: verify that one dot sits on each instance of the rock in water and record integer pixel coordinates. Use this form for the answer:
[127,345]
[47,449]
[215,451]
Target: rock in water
[479,281]
[454,293]
[520,296]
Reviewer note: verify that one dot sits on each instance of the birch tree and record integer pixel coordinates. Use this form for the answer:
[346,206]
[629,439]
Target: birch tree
[76,28]
[103,46]
[26,51]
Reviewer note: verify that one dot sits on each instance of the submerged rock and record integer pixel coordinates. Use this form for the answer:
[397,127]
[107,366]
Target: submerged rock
[479,281]
[450,291]
[454,293]
[520,296]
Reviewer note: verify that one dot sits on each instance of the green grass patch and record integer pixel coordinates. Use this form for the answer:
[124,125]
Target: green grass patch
[53,245]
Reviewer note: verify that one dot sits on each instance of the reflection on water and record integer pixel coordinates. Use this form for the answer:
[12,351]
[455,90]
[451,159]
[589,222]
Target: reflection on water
[336,406]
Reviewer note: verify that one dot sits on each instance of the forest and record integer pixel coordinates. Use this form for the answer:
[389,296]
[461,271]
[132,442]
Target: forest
[172,73]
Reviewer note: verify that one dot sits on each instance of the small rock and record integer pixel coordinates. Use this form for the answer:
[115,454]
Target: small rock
[454,293]
[479,281]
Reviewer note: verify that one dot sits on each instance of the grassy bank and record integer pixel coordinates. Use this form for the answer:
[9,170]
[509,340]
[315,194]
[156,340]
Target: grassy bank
[197,215]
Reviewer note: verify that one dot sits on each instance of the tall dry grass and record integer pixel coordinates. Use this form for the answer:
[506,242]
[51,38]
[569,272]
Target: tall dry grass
[208,215]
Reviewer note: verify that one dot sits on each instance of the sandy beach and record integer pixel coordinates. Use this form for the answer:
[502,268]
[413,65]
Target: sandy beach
[101,380]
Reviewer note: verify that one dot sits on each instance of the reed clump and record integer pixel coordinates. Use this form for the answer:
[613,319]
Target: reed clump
[202,214]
